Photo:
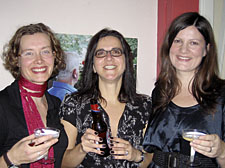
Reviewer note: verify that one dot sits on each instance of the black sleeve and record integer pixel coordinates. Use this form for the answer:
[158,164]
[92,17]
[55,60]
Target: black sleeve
[3,125]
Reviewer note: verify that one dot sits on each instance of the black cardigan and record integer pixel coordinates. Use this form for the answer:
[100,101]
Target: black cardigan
[13,124]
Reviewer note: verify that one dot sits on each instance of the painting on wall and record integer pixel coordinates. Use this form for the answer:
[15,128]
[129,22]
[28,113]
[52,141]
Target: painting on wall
[75,47]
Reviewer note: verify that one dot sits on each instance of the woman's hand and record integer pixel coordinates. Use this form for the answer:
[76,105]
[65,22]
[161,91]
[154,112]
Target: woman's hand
[90,142]
[209,145]
[29,149]
[122,149]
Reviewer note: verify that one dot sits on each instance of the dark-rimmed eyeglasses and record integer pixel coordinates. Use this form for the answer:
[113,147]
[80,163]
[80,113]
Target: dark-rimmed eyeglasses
[115,52]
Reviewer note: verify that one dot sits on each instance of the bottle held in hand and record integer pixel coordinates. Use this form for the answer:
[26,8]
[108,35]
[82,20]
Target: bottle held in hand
[100,126]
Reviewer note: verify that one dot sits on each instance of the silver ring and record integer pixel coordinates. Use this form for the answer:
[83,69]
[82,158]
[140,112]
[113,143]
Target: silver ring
[126,153]
[210,150]
[40,156]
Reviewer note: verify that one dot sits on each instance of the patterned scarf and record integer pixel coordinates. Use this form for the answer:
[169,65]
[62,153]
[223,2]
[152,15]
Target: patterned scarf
[32,116]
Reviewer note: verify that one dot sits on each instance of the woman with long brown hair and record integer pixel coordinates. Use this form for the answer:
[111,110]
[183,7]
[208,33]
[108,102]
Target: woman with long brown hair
[188,94]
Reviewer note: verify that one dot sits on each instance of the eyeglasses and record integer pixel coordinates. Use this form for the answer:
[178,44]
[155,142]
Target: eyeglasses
[115,52]
[30,54]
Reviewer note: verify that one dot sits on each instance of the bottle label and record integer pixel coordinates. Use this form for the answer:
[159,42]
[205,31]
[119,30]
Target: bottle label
[95,111]
[94,107]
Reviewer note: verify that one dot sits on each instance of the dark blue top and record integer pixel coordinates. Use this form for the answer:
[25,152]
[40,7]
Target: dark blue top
[165,129]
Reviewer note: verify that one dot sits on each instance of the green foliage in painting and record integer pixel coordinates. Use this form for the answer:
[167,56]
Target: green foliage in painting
[71,42]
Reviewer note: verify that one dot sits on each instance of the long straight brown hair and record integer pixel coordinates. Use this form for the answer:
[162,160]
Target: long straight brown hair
[206,83]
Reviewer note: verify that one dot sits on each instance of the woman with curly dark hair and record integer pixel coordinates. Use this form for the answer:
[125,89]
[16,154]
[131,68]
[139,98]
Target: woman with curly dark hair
[107,77]
[33,55]
[188,94]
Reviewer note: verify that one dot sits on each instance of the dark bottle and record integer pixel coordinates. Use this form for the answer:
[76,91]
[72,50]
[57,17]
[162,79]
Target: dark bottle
[100,126]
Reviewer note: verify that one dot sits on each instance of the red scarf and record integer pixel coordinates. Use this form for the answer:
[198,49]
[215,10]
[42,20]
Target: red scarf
[32,116]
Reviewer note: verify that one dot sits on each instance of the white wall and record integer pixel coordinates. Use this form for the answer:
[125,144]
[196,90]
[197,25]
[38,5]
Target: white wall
[133,18]
[219,28]
[214,11]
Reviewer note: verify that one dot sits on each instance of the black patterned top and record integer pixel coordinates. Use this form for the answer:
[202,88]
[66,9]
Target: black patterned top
[130,127]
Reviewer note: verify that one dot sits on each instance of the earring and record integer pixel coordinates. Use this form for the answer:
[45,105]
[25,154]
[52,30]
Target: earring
[94,69]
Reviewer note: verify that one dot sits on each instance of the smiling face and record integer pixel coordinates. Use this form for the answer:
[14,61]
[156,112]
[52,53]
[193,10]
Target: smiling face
[36,60]
[187,50]
[109,68]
